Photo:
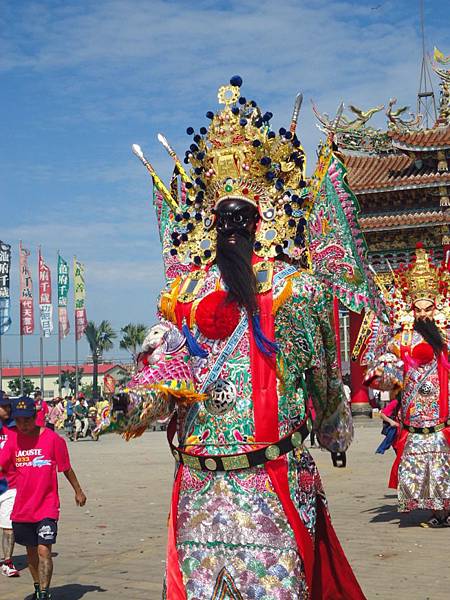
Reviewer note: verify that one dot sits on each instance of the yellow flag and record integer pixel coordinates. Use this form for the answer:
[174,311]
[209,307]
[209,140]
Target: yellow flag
[440,57]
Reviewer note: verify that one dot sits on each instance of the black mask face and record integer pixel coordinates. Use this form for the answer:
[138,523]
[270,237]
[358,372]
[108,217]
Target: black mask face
[236,226]
[236,217]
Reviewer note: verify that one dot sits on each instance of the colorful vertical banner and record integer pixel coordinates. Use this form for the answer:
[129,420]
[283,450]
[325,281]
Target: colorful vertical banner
[45,297]
[63,292]
[26,294]
[80,299]
[5,300]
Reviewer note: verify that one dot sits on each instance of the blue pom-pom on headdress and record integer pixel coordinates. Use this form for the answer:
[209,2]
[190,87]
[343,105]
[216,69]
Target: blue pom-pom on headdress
[236,80]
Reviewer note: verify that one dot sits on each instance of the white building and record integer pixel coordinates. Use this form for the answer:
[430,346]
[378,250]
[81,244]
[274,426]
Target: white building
[118,372]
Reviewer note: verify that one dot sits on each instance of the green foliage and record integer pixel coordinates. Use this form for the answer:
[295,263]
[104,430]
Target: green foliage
[100,339]
[88,390]
[133,337]
[14,386]
[68,378]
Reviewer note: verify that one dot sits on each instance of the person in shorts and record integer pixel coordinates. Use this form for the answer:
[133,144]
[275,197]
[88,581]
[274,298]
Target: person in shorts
[7,491]
[38,454]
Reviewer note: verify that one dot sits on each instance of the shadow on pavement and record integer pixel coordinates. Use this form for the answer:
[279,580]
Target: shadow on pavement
[72,591]
[388,512]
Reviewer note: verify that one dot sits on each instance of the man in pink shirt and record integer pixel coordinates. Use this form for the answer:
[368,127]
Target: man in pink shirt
[38,454]
[41,409]
[7,490]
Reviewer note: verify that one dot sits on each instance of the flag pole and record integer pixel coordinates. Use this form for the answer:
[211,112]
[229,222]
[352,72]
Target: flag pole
[76,366]
[21,318]
[41,362]
[41,339]
[1,364]
[59,331]
[76,333]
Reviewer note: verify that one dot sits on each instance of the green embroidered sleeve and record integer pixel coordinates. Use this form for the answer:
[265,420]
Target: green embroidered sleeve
[309,344]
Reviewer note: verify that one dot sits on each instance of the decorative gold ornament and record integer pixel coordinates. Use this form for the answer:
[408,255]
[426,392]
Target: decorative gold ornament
[421,280]
[228,94]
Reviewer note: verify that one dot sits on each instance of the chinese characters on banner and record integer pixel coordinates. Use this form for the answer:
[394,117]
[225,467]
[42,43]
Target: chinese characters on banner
[63,291]
[80,299]
[26,294]
[5,267]
[45,297]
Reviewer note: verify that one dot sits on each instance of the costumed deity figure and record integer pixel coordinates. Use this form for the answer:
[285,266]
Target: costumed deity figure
[415,362]
[244,338]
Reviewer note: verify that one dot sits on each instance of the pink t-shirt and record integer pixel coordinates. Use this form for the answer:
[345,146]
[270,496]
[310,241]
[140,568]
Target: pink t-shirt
[10,475]
[41,412]
[391,409]
[37,460]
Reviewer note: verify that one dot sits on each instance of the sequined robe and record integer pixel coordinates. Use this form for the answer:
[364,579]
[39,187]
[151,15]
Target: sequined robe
[232,537]
[423,479]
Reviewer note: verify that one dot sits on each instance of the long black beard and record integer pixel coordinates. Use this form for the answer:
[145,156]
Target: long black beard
[235,264]
[431,334]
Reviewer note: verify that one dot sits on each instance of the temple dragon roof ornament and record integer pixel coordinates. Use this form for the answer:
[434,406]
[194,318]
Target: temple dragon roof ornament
[396,120]
[353,134]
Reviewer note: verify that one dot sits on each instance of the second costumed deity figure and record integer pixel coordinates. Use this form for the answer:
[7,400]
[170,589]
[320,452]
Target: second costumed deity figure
[413,365]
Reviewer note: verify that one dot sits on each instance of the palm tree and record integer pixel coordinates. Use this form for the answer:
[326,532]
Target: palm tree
[133,337]
[100,340]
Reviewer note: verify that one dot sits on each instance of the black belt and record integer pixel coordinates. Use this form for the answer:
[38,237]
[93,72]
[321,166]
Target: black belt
[234,462]
[427,430]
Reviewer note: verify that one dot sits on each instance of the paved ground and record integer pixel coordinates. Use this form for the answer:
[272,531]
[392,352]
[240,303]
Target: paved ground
[114,547]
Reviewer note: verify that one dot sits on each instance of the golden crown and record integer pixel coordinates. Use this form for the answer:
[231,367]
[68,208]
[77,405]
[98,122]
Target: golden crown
[422,279]
[237,156]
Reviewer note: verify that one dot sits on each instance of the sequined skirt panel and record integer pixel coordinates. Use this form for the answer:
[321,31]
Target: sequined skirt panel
[424,473]
[233,537]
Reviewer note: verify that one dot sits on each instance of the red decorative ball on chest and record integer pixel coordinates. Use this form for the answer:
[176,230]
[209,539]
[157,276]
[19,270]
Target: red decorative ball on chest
[423,352]
[216,317]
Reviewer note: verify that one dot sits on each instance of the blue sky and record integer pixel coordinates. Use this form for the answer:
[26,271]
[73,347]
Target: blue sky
[82,80]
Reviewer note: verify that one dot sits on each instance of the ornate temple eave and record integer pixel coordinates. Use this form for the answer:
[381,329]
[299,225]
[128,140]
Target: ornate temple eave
[415,148]
[401,226]
[405,186]
[392,173]
[422,140]
[405,221]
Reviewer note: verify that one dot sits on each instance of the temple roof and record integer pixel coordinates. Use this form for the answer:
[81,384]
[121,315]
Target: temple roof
[372,173]
[426,139]
[404,220]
